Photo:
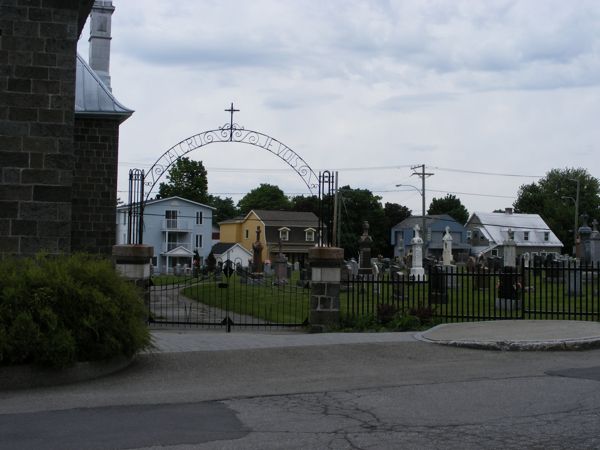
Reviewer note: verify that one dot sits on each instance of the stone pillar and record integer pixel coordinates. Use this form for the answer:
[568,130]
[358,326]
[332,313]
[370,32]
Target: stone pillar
[133,263]
[417,272]
[326,267]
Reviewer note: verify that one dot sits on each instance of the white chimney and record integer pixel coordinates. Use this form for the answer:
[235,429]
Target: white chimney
[100,19]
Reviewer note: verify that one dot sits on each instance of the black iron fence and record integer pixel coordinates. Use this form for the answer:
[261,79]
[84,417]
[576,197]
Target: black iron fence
[561,291]
[228,299]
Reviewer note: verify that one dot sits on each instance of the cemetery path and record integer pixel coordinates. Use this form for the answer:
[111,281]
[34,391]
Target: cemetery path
[171,306]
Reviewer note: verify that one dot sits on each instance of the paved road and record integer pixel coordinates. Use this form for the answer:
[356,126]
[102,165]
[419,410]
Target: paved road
[405,394]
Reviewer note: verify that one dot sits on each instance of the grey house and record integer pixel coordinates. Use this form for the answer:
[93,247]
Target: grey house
[487,233]
[403,232]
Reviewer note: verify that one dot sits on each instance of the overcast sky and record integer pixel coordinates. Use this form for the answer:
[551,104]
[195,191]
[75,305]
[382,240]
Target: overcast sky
[488,94]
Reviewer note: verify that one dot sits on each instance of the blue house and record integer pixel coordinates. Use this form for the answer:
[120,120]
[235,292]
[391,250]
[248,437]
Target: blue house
[176,228]
[435,228]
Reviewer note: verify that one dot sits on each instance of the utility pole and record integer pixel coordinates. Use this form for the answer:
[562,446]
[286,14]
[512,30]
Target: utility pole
[423,175]
[336,215]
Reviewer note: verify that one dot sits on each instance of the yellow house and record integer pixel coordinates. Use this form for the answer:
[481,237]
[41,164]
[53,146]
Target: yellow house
[242,230]
[295,231]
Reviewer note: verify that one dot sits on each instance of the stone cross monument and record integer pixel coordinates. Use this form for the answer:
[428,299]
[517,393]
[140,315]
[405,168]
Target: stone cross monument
[257,253]
[364,248]
[417,272]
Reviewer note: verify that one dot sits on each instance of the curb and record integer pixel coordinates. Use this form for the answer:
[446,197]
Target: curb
[518,345]
[23,377]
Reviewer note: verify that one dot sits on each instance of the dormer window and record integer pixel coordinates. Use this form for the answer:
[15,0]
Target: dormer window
[309,234]
[284,234]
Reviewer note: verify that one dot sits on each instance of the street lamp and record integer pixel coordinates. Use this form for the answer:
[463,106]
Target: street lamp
[422,193]
[576,224]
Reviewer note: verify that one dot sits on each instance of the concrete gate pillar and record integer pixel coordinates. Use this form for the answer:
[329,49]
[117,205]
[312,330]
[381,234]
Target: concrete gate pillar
[133,263]
[326,268]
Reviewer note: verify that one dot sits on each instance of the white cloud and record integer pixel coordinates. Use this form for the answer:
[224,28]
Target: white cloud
[497,86]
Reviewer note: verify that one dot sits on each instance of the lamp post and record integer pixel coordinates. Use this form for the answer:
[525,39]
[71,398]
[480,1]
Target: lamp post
[575,223]
[422,193]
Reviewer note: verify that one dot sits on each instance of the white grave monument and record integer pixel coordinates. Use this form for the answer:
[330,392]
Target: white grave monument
[416,271]
[447,251]
[510,250]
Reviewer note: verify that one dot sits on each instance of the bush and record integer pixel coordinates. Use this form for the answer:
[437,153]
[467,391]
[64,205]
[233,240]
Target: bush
[55,311]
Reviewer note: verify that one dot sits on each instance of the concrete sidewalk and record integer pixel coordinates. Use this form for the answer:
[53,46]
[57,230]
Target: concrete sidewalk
[493,335]
[517,335]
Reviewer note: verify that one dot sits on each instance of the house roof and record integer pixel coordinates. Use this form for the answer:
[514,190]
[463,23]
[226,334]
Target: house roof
[286,218]
[495,227]
[159,200]
[179,251]
[93,98]
[222,247]
[411,221]
[236,219]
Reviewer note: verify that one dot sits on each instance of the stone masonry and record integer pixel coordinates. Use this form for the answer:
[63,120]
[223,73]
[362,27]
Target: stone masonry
[38,41]
[94,181]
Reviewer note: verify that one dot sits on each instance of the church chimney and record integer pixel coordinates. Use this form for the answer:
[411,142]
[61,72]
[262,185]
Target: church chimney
[99,59]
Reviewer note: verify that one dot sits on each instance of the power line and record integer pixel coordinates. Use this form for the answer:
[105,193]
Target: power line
[498,174]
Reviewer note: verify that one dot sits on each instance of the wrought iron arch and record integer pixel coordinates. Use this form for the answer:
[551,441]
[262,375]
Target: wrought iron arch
[231,132]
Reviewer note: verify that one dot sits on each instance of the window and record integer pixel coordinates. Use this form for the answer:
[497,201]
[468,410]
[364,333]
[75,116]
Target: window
[284,234]
[246,233]
[525,235]
[198,217]
[171,217]
[309,235]
[546,236]
[495,252]
[198,241]
[469,234]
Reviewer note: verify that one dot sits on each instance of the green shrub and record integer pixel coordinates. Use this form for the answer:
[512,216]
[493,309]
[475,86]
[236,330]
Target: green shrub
[55,311]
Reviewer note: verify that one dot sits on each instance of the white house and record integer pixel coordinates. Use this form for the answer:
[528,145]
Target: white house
[176,228]
[234,252]
[487,233]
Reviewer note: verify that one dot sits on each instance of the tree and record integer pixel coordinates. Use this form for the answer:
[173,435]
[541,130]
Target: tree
[554,196]
[357,206]
[303,203]
[394,214]
[451,205]
[186,179]
[266,196]
[226,209]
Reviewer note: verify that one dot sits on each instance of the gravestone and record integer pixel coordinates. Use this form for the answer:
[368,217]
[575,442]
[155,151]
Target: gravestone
[416,271]
[447,260]
[447,248]
[438,285]
[510,250]
[509,291]
[364,248]
[526,261]
[595,243]
[585,233]
[280,264]
[353,267]
[257,247]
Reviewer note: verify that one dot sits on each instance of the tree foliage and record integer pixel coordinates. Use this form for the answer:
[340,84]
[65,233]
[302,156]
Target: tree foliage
[451,205]
[186,179]
[266,196]
[226,209]
[357,206]
[554,196]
